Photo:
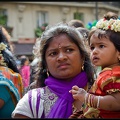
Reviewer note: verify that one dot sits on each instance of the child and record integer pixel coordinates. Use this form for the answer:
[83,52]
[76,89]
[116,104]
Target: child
[103,99]
[25,72]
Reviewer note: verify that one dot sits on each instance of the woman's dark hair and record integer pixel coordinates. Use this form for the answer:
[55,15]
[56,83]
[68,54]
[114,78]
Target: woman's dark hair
[84,32]
[76,23]
[75,37]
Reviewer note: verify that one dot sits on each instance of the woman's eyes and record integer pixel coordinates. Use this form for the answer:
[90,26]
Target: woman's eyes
[53,54]
[57,52]
[69,50]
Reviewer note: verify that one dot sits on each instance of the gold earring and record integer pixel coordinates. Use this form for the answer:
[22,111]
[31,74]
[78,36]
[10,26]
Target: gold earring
[83,66]
[47,73]
[119,58]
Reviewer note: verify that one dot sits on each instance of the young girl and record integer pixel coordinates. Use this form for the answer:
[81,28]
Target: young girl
[103,99]
[25,72]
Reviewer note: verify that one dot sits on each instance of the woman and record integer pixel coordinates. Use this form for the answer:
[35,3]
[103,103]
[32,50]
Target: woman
[10,80]
[63,62]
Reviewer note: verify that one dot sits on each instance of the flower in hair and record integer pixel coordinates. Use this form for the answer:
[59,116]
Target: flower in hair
[2,47]
[111,24]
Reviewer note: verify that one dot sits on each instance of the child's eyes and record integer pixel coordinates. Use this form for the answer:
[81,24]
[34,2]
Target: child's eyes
[101,46]
[92,48]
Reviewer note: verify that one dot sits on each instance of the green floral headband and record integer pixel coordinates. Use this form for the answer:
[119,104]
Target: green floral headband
[112,24]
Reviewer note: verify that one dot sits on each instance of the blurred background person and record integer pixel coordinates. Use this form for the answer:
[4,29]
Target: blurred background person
[25,72]
[11,87]
[76,23]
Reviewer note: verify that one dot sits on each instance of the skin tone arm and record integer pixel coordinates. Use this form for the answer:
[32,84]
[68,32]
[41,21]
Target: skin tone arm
[6,34]
[20,116]
[107,102]
[1,103]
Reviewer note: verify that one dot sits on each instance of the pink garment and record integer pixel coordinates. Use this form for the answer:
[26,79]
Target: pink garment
[25,73]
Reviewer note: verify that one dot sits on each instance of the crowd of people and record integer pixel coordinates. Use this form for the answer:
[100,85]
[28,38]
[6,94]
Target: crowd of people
[75,73]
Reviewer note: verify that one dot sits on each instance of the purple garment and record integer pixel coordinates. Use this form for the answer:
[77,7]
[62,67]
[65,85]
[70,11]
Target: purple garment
[63,106]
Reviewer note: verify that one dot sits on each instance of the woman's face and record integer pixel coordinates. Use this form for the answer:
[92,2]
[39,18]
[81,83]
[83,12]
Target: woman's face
[63,58]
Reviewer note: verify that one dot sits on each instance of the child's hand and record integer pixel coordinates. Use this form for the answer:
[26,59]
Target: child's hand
[78,93]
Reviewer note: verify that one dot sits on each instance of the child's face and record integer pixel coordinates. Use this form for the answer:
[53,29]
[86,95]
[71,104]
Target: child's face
[27,62]
[103,52]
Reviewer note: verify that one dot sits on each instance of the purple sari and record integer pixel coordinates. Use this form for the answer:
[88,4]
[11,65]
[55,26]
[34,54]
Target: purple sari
[63,106]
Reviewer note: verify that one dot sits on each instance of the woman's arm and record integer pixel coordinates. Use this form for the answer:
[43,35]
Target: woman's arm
[4,95]
[20,116]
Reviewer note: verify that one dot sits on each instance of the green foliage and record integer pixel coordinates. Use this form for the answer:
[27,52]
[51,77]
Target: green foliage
[40,30]
[3,20]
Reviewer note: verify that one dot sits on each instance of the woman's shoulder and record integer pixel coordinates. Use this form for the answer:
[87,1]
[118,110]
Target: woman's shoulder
[35,92]
[39,92]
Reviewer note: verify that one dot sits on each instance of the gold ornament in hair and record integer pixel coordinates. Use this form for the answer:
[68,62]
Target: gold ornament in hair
[112,24]
[2,47]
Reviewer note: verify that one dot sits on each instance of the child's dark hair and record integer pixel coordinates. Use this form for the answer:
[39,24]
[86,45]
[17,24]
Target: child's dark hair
[114,36]
[110,14]
[23,60]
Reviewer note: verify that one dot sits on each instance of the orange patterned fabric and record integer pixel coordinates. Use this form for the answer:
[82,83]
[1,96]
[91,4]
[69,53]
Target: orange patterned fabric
[15,77]
[107,82]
